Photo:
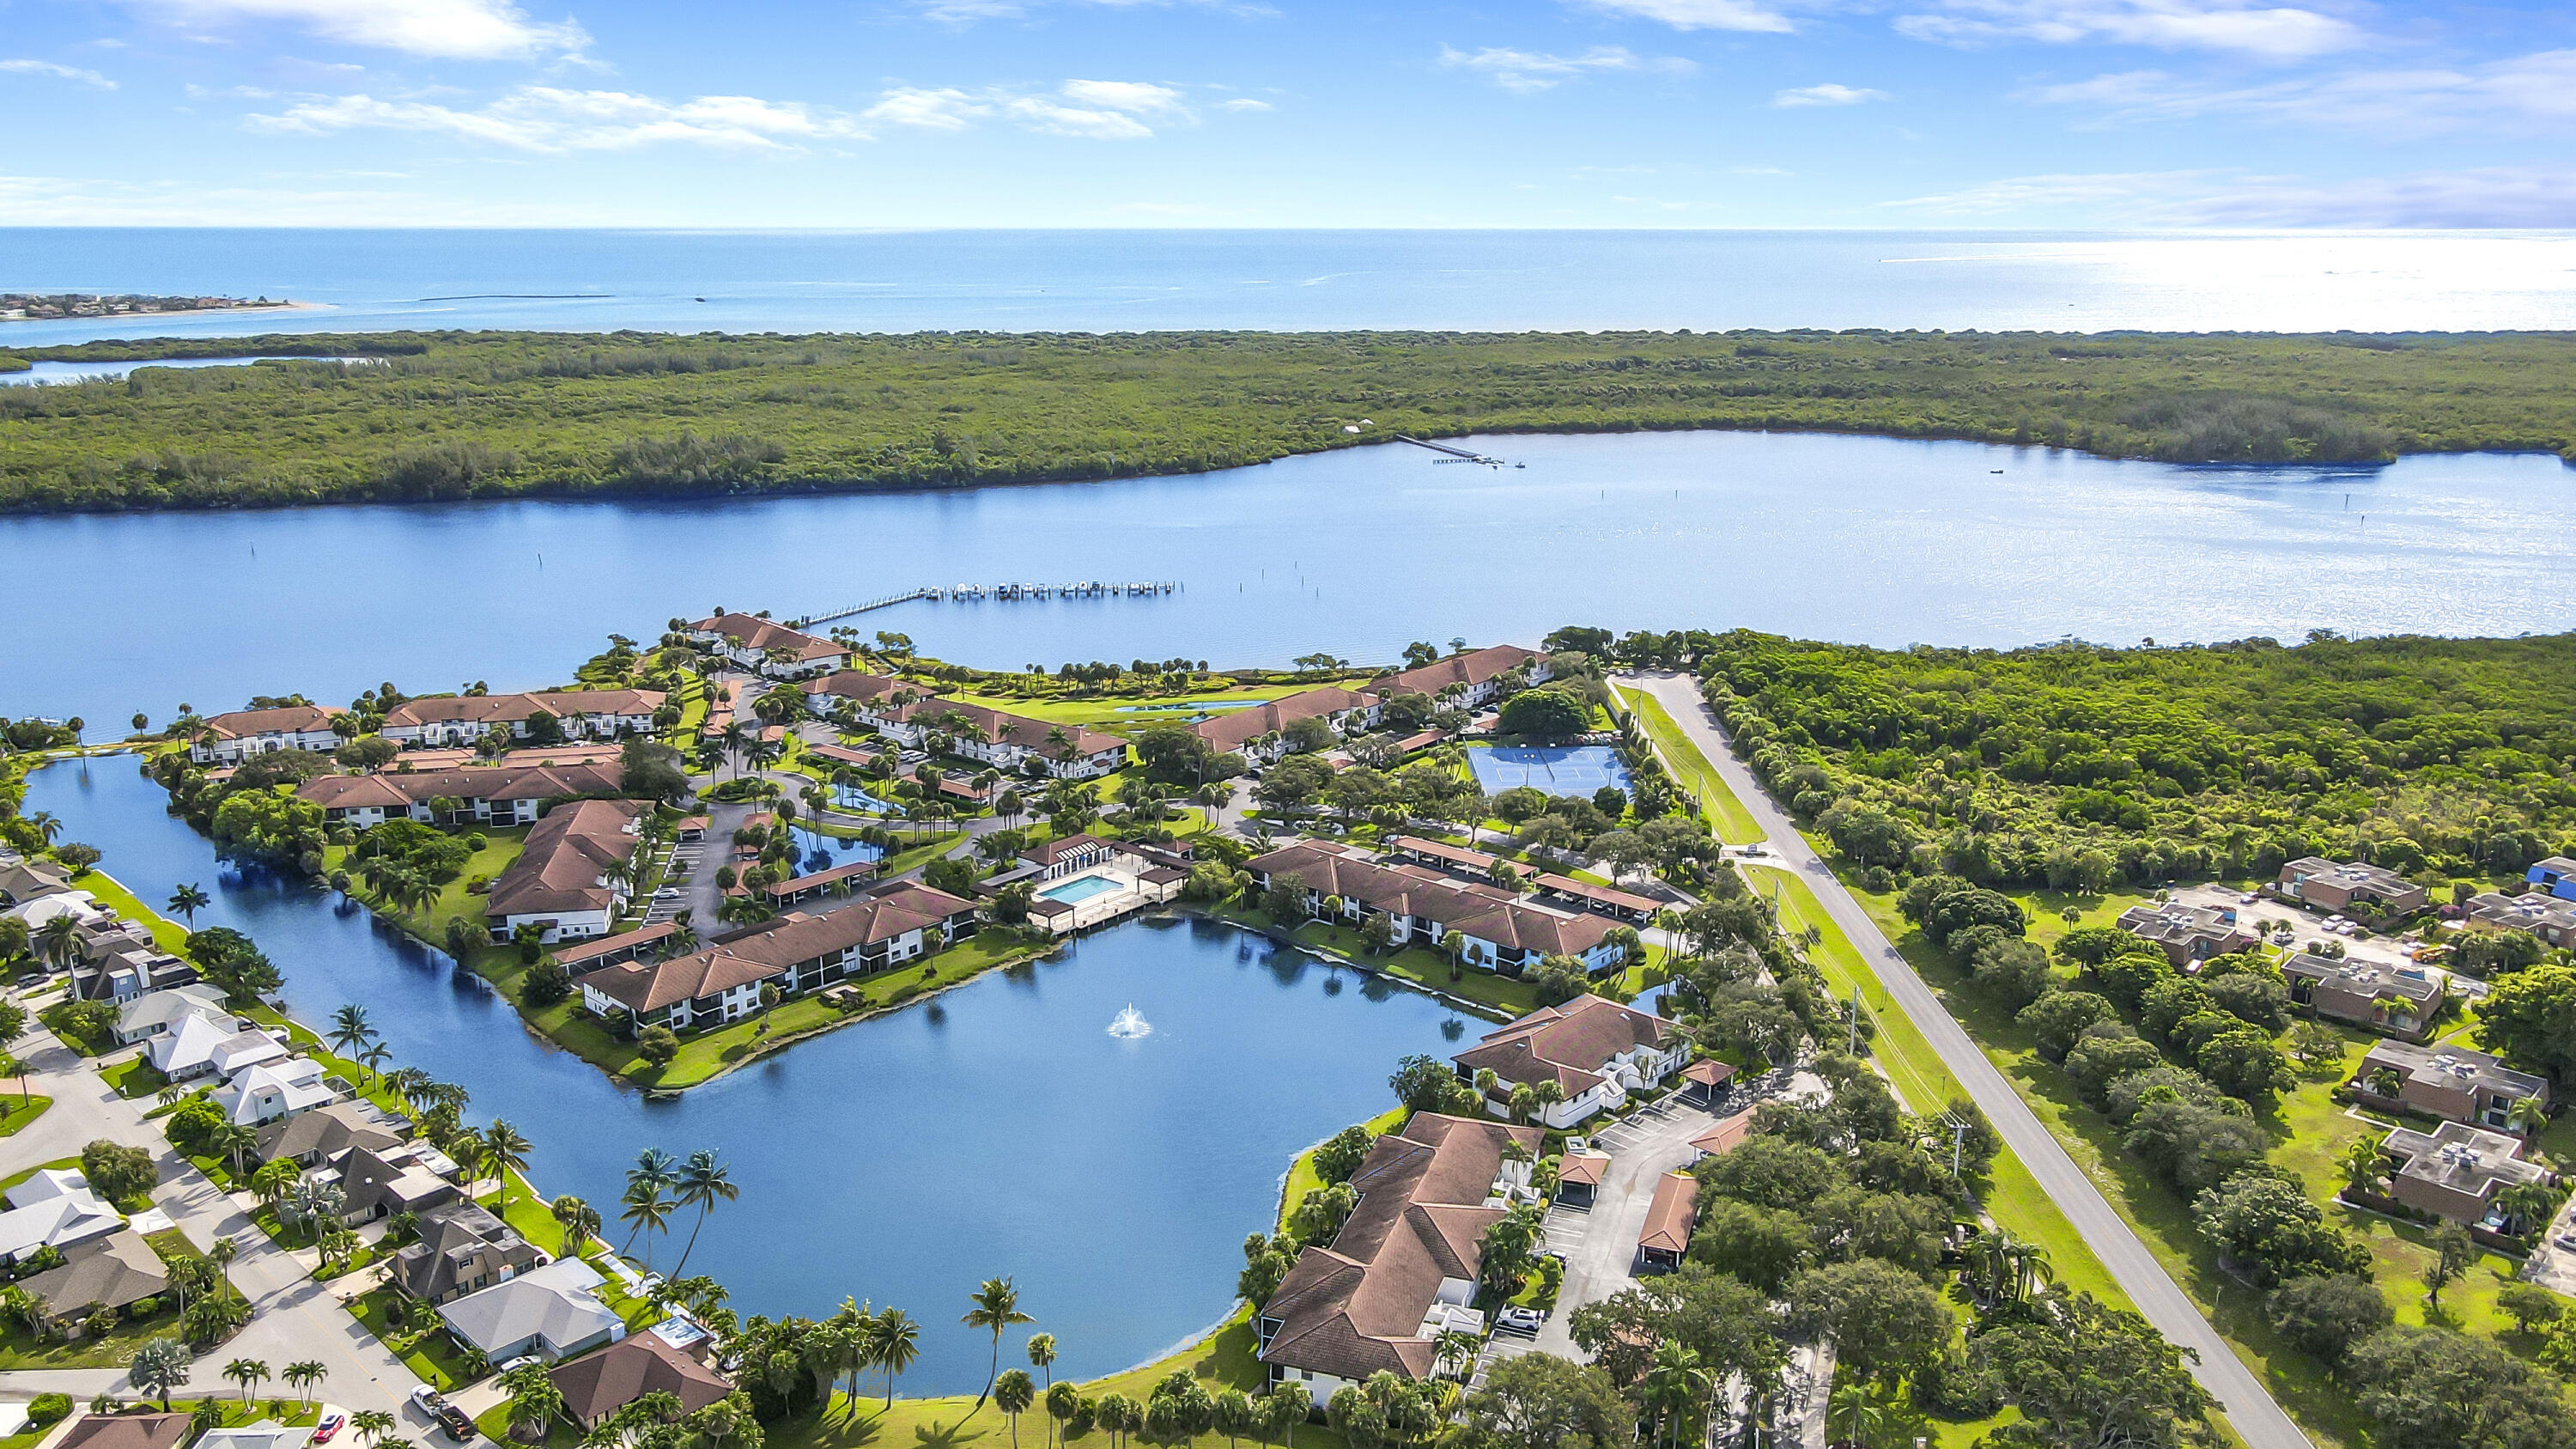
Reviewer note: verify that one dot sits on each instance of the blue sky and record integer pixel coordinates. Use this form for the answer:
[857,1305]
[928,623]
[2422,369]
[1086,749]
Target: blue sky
[1585,113]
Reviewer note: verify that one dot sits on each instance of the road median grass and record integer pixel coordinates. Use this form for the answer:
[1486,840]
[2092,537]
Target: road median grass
[16,1113]
[1717,803]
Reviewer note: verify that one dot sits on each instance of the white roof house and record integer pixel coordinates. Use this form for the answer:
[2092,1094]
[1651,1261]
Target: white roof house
[154,1012]
[257,1436]
[200,1044]
[55,1215]
[550,1311]
[269,1091]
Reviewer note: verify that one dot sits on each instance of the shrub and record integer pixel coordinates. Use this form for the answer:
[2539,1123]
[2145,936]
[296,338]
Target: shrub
[48,1408]
[657,1045]
[2326,1316]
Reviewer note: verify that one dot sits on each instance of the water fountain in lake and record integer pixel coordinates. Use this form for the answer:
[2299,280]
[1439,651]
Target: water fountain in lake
[1130,1024]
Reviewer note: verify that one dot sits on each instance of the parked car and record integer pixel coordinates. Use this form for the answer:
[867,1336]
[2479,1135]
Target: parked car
[449,1417]
[1517,1319]
[329,1426]
[525,1360]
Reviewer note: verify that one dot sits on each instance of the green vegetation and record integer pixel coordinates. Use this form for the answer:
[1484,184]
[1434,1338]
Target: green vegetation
[16,1113]
[451,415]
[2076,766]
[1717,803]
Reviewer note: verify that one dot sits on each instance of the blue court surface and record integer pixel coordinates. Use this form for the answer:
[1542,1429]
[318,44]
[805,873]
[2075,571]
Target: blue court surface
[1566,770]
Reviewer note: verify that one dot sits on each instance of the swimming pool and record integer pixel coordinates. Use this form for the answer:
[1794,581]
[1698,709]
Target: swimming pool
[1079,889]
[1562,770]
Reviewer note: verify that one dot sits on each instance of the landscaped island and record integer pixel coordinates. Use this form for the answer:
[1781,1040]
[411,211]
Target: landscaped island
[559,415]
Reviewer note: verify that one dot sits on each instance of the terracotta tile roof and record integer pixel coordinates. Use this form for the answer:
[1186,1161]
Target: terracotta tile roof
[397,789]
[1234,728]
[995,726]
[573,956]
[858,684]
[566,853]
[1670,1217]
[822,879]
[749,632]
[1455,855]
[1467,669]
[1583,1169]
[775,948]
[1357,1306]
[127,1431]
[1571,1043]
[288,719]
[1566,885]
[514,708]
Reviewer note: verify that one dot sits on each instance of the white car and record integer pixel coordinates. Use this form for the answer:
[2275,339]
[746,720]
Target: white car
[1517,1319]
[525,1360]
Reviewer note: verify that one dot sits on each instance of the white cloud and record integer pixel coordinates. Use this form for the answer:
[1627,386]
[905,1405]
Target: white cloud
[931,110]
[1096,110]
[58,72]
[446,29]
[2244,27]
[547,119]
[1534,70]
[1243,104]
[2529,90]
[2025,193]
[1701,14]
[1828,94]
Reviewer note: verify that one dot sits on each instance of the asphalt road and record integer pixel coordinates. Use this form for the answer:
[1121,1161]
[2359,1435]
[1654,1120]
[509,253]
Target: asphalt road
[2248,1406]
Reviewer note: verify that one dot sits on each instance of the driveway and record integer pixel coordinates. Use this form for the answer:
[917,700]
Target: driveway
[1599,1243]
[2249,1408]
[294,1317]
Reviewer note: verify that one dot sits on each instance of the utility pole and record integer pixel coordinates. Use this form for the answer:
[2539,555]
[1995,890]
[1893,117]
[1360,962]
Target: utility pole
[1854,1048]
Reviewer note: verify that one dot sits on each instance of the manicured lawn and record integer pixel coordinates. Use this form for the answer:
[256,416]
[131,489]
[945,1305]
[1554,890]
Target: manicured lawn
[1103,713]
[134,1077]
[1302,1177]
[172,936]
[428,1352]
[16,1113]
[1505,997]
[1225,1358]
[1692,770]
[20,1350]
[454,902]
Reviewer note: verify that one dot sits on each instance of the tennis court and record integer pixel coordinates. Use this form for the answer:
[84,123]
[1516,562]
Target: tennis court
[1566,770]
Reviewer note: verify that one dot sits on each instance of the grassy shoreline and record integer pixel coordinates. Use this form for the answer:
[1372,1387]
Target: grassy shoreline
[571,415]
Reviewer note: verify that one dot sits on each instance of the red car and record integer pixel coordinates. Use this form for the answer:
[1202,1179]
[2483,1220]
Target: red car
[323,1431]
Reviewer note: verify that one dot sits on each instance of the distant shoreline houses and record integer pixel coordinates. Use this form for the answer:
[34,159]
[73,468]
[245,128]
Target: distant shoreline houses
[463,719]
[486,794]
[793,954]
[1463,681]
[230,738]
[1501,930]
[765,647]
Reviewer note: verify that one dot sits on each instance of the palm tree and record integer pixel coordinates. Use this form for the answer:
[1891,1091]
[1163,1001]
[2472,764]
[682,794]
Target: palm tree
[1858,1413]
[703,1183]
[1042,1358]
[2526,1115]
[997,1307]
[221,1253]
[374,1059]
[305,1375]
[644,1206]
[1062,1402]
[506,1152]
[58,941]
[579,1221]
[2362,1166]
[898,1343]
[350,1028]
[372,1424]
[46,825]
[12,1066]
[246,1372]
[234,1141]
[1012,1394]
[1676,1382]
[187,900]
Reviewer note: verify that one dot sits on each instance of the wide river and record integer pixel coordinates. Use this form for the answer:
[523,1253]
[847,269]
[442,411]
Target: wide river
[999,1130]
[1355,552]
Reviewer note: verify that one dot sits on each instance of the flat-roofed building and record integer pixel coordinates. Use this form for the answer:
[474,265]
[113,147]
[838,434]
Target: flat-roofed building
[2399,1000]
[2335,885]
[2188,933]
[2458,1171]
[2450,1082]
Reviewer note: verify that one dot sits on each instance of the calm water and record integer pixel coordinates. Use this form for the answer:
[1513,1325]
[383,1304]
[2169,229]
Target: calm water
[1099,281]
[1356,553]
[43,373]
[1000,1131]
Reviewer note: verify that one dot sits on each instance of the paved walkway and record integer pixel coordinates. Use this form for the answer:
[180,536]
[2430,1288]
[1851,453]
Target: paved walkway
[293,1319]
[2248,1406]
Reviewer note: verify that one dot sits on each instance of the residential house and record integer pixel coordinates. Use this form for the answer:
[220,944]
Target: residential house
[262,1435]
[2551,918]
[1072,855]
[23,880]
[319,1137]
[122,962]
[568,880]
[2188,933]
[794,953]
[128,1431]
[1464,681]
[210,1045]
[2399,1000]
[2337,885]
[1403,1268]
[597,1385]
[1257,732]
[1595,1050]
[2555,876]
[153,1013]
[550,1312]
[116,1271]
[2450,1082]
[229,739]
[2458,1171]
[769,648]
[1497,929]
[53,1209]
[500,795]
[378,1184]
[274,1091]
[1008,742]
[1670,1216]
[462,719]
[462,1248]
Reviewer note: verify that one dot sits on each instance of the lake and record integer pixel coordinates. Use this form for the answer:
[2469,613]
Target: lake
[999,1130]
[43,373]
[1136,280]
[1355,553]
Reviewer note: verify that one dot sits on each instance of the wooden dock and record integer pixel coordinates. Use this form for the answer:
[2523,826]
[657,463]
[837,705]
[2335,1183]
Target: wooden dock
[1004,592]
